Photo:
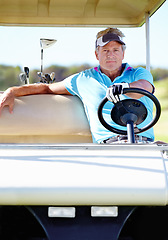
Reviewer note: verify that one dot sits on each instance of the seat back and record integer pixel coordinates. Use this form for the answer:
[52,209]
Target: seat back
[45,119]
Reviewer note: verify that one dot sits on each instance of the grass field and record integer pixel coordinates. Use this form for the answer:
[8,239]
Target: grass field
[161,127]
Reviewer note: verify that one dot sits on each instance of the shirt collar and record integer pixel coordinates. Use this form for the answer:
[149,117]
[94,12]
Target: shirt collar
[126,66]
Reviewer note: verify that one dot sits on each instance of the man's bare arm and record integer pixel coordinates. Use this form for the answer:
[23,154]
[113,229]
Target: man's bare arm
[7,98]
[143,84]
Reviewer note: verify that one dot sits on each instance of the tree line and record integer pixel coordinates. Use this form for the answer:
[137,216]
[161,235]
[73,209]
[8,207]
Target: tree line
[9,75]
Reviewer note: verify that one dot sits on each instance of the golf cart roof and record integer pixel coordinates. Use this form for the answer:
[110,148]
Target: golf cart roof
[76,12]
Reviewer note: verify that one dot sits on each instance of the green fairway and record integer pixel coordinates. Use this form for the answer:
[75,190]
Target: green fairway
[161,128]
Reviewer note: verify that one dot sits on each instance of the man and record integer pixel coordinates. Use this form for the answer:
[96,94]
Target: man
[92,85]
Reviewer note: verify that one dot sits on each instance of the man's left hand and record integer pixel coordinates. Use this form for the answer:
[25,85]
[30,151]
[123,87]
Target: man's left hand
[115,90]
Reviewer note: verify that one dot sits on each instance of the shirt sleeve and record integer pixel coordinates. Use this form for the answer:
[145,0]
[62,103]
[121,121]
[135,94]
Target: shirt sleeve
[70,84]
[142,73]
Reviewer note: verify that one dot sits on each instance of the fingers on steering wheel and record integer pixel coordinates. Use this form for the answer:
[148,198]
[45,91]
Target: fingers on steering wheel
[111,95]
[117,98]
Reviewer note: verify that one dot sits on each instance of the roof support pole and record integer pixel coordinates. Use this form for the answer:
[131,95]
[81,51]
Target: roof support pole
[147,42]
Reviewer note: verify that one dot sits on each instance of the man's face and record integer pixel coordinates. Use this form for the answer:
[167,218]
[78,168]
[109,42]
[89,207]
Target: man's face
[110,56]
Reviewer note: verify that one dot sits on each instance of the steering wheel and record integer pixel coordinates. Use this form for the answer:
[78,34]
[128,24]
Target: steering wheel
[130,111]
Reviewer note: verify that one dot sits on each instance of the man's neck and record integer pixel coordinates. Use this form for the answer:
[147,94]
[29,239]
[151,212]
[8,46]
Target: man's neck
[113,74]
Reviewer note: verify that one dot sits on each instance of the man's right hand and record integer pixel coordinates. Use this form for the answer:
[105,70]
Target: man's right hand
[7,99]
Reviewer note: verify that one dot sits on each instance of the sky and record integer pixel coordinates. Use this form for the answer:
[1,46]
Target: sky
[20,46]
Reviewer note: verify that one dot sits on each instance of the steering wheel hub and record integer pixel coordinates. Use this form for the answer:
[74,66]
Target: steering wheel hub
[128,109]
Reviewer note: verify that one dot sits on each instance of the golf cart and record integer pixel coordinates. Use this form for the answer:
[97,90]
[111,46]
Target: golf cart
[54,182]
